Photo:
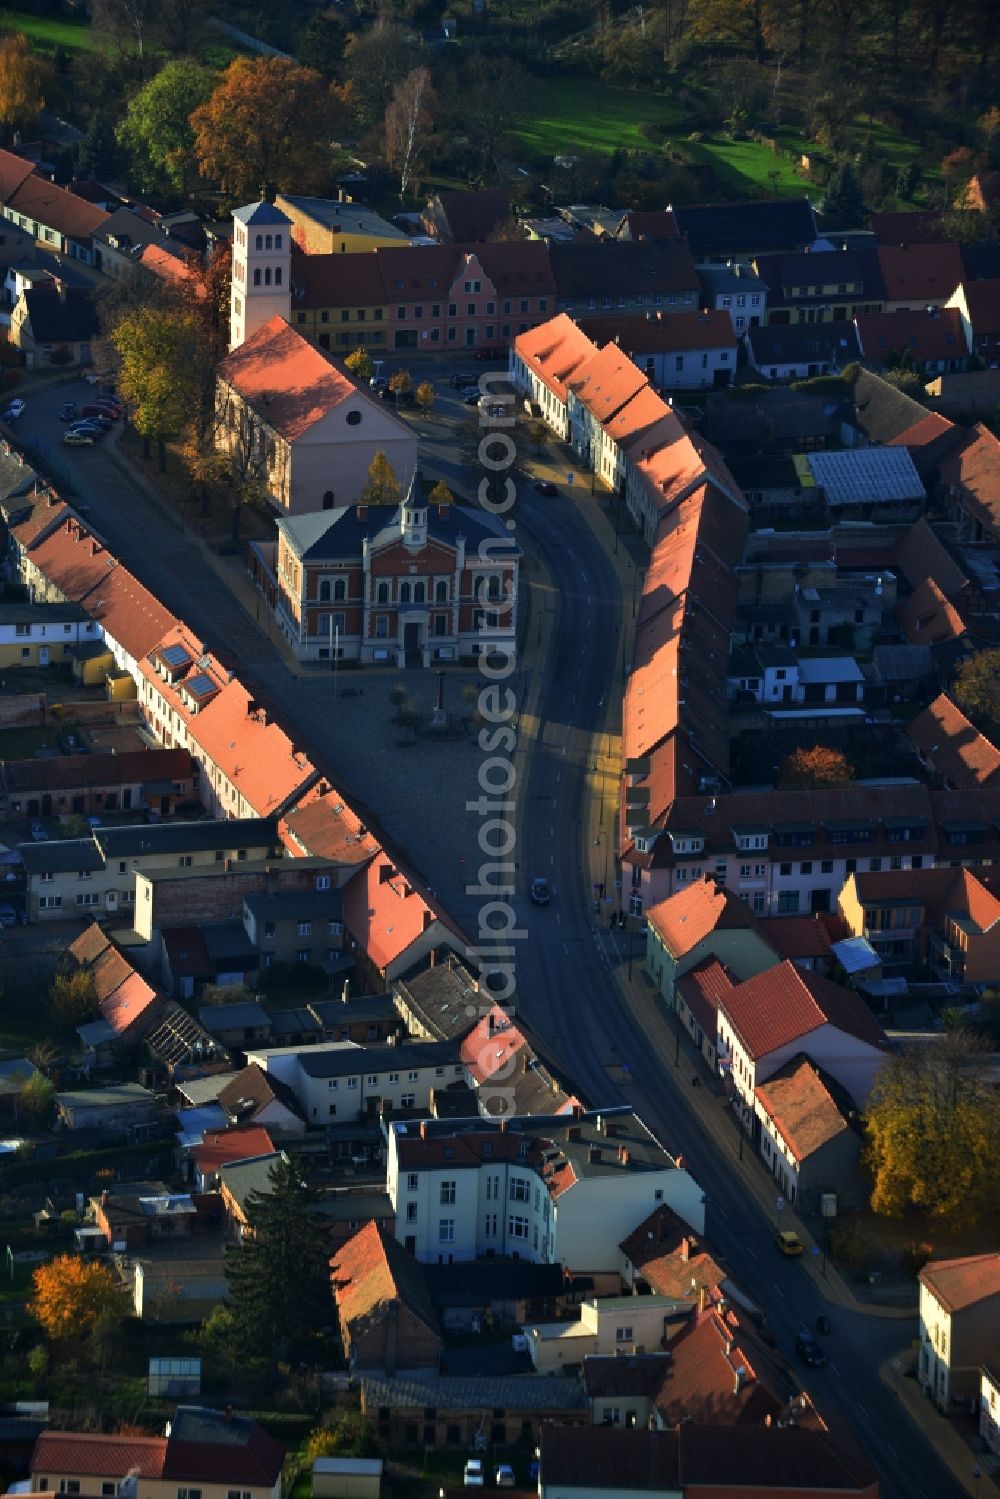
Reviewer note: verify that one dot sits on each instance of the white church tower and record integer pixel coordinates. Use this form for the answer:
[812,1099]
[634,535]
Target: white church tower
[262,270]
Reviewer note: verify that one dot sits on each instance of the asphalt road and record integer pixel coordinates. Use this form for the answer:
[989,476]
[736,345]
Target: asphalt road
[565,987]
[566,991]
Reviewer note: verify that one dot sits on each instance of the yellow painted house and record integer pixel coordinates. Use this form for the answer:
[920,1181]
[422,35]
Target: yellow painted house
[42,634]
[336,226]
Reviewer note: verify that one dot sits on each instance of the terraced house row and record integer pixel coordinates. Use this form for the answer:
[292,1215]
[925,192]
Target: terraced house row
[241,760]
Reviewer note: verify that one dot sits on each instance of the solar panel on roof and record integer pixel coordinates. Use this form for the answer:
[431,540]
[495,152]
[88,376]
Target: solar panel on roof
[175,655]
[201,686]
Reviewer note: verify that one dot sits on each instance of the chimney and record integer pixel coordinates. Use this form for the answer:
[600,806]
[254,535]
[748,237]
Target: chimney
[738,1378]
[104,1198]
[432,958]
[578,1111]
[362,512]
[679,1162]
[574,1132]
[428,920]
[444,511]
[345,993]
[685,1249]
[624,1155]
[423,1129]
[385,873]
[594,1154]
[701,1298]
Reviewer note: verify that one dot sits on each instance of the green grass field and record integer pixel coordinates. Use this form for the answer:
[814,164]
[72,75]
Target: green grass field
[584,114]
[46,33]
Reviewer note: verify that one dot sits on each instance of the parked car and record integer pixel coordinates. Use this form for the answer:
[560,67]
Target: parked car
[505,1476]
[541,892]
[459,382]
[38,833]
[96,419]
[379,382]
[547,488]
[14,410]
[91,428]
[95,412]
[79,439]
[788,1242]
[473,1476]
[8,915]
[67,411]
[110,408]
[809,1351]
[491,351]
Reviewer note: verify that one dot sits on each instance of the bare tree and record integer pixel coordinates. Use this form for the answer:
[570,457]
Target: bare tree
[121,18]
[408,123]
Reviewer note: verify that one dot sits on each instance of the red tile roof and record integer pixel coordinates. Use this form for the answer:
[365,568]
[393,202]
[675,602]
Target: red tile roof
[556,351]
[87,948]
[703,988]
[14,170]
[220,1147]
[606,382]
[371,1272]
[972,475]
[670,1257]
[492,1046]
[254,753]
[649,224]
[95,1455]
[960,1283]
[385,912]
[131,1002]
[906,228]
[110,969]
[923,335]
[700,1382]
[920,273]
[924,432]
[664,332]
[802,1108]
[797,936]
[946,741]
[696,910]
[784,1003]
[323,825]
[169,267]
[57,208]
[927,618]
[336,280]
[290,382]
[919,554]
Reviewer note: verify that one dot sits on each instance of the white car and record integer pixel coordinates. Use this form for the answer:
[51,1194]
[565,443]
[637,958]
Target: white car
[474,1478]
[15,409]
[505,1476]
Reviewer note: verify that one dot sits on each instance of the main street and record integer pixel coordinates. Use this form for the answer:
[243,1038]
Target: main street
[565,982]
[567,990]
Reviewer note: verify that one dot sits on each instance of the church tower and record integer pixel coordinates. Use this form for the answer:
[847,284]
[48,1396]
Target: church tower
[262,270]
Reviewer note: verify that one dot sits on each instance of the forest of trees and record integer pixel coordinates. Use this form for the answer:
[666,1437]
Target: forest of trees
[166,105]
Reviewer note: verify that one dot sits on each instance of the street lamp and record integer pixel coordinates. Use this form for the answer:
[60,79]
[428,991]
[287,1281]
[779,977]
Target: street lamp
[597,843]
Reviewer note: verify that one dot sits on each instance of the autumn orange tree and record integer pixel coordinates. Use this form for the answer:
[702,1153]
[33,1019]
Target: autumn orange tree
[382,488]
[24,79]
[74,1296]
[932,1122]
[158,348]
[813,769]
[268,121]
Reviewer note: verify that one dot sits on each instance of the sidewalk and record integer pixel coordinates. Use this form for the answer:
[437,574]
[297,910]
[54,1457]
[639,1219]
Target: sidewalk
[679,1059]
[951,1437]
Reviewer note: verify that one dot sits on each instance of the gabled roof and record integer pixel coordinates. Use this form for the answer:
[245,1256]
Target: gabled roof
[862,475]
[385,912]
[56,208]
[960,1283]
[920,555]
[670,1258]
[664,332]
[730,228]
[596,267]
[804,1107]
[784,1003]
[804,343]
[953,747]
[924,335]
[14,170]
[322,824]
[696,910]
[701,1383]
[982,298]
[927,618]
[471,216]
[702,988]
[252,750]
[61,319]
[972,473]
[291,383]
[248,1092]
[97,1455]
[221,1447]
[220,1147]
[87,948]
[920,273]
[606,382]
[648,224]
[882,411]
[370,1273]
[920,228]
[556,351]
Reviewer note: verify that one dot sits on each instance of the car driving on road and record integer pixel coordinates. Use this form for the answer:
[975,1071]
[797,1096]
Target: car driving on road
[541,892]
[787,1242]
[14,410]
[809,1351]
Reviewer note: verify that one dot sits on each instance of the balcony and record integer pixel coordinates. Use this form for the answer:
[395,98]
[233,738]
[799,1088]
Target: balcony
[944,958]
